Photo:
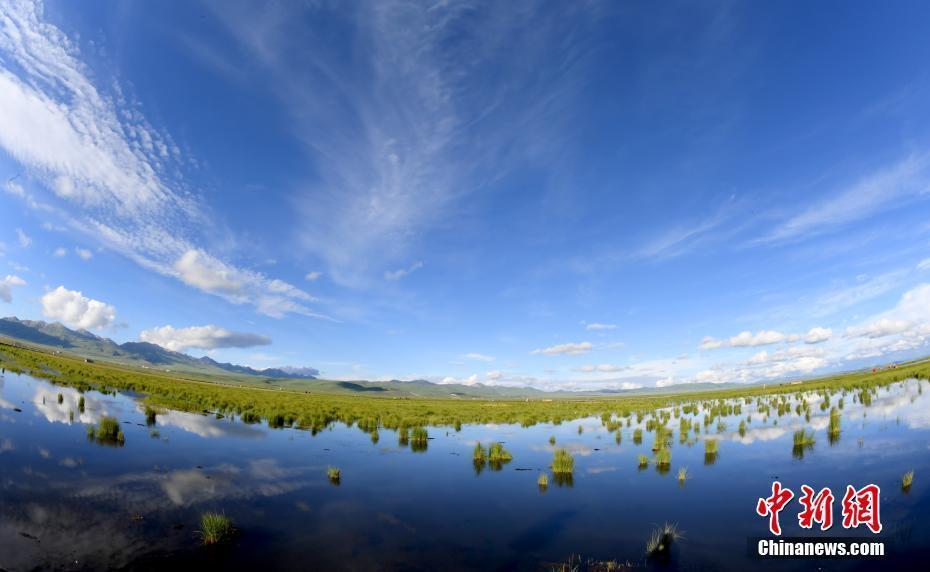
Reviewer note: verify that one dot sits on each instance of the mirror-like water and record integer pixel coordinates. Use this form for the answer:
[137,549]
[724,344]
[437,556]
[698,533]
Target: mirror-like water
[69,502]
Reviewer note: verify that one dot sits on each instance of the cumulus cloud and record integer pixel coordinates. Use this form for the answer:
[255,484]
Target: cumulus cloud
[60,252]
[479,357]
[710,343]
[566,349]
[74,309]
[761,338]
[200,270]
[83,253]
[879,328]
[604,367]
[401,272]
[599,326]
[201,337]
[817,335]
[313,276]
[6,286]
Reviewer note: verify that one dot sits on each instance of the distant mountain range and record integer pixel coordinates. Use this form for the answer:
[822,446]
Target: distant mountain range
[55,336]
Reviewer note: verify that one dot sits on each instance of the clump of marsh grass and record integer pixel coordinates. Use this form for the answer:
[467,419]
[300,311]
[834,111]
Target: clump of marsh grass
[479,455]
[803,442]
[742,428]
[833,430]
[543,481]
[682,475]
[81,404]
[663,459]
[497,454]
[907,480]
[375,437]
[711,448]
[334,475]
[580,429]
[562,462]
[107,432]
[150,414]
[637,435]
[419,436]
[215,527]
[643,461]
[661,539]
[61,398]
[552,439]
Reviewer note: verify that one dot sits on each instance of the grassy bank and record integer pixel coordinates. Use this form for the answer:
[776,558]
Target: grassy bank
[316,410]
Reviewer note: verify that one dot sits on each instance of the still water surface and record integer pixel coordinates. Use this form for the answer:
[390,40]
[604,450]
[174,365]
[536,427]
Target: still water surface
[70,503]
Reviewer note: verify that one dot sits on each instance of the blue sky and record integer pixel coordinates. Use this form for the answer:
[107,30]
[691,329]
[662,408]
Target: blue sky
[572,195]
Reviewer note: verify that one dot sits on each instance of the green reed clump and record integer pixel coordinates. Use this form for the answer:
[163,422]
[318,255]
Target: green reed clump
[61,398]
[552,439]
[543,481]
[479,455]
[419,436]
[562,462]
[742,428]
[682,474]
[661,539]
[637,436]
[108,431]
[375,437]
[334,474]
[150,415]
[580,429]
[215,527]
[833,429]
[710,446]
[497,453]
[907,480]
[664,458]
[81,404]
[803,438]
[643,461]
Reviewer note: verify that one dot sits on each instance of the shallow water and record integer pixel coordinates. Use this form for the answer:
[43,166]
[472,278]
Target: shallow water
[67,502]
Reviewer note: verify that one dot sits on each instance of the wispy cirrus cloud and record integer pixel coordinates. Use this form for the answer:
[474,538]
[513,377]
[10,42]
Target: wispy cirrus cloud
[890,187]
[95,152]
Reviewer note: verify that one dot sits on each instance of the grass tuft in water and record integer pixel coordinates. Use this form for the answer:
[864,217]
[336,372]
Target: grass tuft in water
[334,475]
[81,404]
[215,527]
[907,480]
[108,431]
[480,455]
[61,398]
[643,461]
[682,474]
[552,439]
[663,458]
[562,462]
[661,539]
[150,414]
[802,438]
[543,481]
[497,454]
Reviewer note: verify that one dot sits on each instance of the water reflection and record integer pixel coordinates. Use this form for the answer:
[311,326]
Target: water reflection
[210,427]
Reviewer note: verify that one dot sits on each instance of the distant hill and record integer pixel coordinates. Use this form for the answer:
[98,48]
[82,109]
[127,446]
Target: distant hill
[56,337]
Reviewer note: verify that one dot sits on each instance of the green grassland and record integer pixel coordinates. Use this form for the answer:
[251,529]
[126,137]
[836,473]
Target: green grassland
[284,406]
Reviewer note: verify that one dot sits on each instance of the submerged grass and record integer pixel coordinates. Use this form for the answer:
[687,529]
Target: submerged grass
[215,527]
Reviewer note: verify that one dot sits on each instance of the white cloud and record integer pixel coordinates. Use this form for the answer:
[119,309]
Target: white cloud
[604,367]
[924,264]
[879,328]
[60,252]
[888,188]
[599,326]
[479,357]
[24,240]
[74,309]
[83,253]
[6,286]
[401,272]
[817,335]
[494,375]
[761,338]
[201,337]
[120,179]
[313,276]
[709,343]
[566,349]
